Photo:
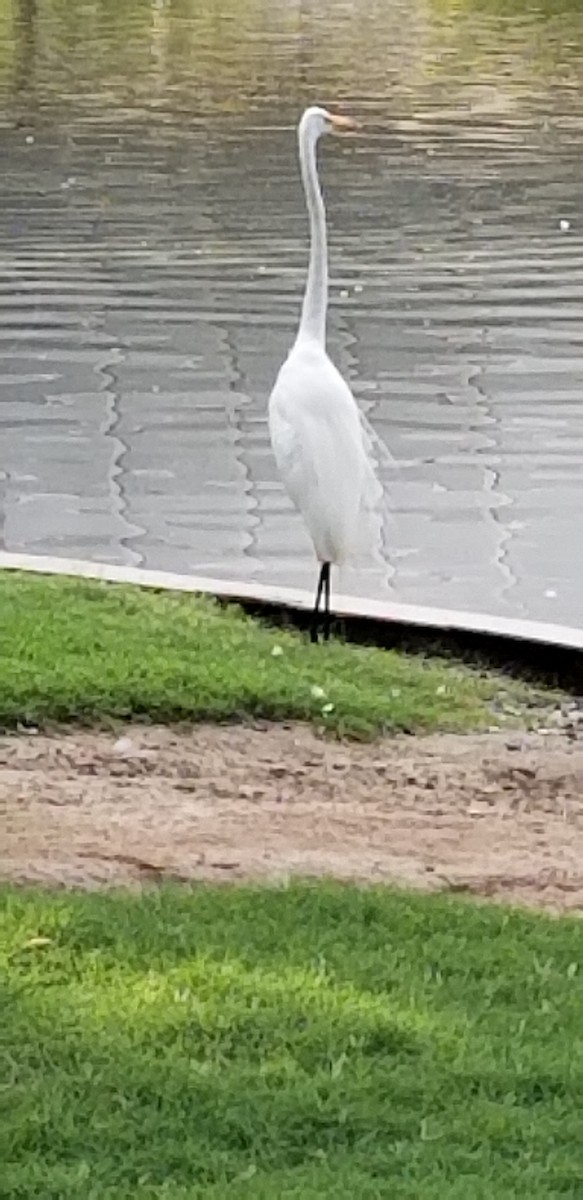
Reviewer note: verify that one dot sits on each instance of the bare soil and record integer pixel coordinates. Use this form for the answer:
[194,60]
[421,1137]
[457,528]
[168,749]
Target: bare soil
[493,814]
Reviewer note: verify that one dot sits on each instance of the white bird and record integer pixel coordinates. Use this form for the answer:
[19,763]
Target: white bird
[316,431]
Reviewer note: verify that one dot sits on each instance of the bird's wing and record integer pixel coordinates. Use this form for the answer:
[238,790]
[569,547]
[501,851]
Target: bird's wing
[310,414]
[286,441]
[317,442]
[328,455]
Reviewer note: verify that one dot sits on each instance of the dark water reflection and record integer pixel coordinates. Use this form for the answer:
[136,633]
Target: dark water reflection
[152,255]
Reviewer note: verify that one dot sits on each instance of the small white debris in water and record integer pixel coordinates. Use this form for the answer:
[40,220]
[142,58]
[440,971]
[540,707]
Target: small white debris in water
[276,652]
[318,693]
[156,388]
[441,690]
[261,270]
[358,287]
[564,225]
[29,140]
[327,709]
[124,745]
[344,294]
[550,594]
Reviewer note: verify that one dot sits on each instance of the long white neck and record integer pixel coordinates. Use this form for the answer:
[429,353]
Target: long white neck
[313,319]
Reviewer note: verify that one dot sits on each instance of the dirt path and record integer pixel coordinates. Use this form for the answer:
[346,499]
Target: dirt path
[492,814]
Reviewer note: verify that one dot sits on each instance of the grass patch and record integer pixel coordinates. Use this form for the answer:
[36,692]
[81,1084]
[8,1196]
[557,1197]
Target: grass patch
[80,650]
[309,1042]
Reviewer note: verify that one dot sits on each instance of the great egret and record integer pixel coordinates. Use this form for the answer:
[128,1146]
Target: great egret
[318,440]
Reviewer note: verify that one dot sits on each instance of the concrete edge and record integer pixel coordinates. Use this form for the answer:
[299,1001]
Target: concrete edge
[417,617]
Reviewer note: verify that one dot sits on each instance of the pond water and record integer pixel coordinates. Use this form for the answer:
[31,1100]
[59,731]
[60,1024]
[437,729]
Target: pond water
[153,245]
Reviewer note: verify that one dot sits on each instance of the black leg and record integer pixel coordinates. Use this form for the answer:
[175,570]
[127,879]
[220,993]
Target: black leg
[327,602]
[323,587]
[316,612]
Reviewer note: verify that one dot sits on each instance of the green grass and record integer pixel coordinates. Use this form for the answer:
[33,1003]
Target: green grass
[78,650]
[309,1042]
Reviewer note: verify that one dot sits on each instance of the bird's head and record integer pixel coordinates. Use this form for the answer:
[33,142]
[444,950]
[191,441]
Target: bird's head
[316,121]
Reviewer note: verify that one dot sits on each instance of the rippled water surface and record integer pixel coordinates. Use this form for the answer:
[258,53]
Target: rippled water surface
[152,257]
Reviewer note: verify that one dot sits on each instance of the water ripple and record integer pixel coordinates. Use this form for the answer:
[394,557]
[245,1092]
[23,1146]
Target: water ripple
[153,254]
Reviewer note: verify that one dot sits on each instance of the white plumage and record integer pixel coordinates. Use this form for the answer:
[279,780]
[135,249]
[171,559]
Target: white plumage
[315,425]
[317,441]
